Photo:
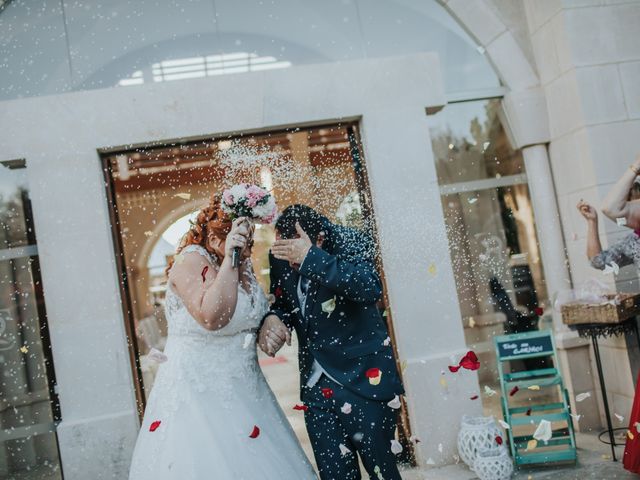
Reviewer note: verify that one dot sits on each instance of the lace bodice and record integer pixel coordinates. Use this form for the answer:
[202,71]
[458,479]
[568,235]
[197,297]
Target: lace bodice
[209,360]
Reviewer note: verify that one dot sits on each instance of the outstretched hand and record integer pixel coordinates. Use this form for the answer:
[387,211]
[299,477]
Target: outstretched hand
[587,211]
[292,250]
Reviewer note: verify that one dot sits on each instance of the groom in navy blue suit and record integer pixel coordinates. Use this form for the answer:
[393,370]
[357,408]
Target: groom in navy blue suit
[326,287]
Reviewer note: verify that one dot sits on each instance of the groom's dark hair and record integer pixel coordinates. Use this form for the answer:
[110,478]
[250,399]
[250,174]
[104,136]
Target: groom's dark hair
[311,221]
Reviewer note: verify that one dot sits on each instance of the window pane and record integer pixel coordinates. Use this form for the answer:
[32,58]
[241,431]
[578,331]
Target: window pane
[28,444]
[491,232]
[15,229]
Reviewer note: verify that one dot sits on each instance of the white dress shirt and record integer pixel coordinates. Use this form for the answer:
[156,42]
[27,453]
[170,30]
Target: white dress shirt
[316,370]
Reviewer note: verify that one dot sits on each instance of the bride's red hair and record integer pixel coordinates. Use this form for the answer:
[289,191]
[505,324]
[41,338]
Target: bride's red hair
[211,219]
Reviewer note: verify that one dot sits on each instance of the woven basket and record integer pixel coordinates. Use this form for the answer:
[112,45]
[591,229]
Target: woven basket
[627,306]
[493,464]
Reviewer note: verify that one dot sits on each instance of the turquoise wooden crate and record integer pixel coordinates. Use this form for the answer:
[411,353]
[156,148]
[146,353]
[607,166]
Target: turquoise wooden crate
[562,445]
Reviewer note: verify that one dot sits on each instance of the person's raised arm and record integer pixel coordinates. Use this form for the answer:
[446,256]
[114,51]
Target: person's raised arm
[210,297]
[617,204]
[594,247]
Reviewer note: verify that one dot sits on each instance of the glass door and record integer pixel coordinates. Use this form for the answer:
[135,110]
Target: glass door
[29,408]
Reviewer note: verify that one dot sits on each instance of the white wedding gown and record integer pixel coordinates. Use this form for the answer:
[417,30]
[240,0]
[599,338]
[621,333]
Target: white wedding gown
[208,397]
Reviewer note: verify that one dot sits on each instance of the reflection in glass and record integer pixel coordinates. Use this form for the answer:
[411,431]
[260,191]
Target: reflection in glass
[490,228]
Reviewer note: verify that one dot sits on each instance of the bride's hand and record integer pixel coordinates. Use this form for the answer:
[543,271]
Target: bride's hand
[238,237]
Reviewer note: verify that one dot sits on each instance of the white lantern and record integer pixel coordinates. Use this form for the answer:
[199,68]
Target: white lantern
[493,464]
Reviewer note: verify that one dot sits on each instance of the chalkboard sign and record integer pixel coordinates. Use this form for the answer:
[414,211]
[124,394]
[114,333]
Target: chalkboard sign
[525,347]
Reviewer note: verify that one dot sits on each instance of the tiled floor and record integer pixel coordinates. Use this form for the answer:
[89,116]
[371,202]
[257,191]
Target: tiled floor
[283,378]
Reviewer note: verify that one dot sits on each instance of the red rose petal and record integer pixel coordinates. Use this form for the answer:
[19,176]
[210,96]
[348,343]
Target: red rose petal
[278,292]
[475,397]
[470,361]
[303,408]
[327,392]
[538,311]
[498,439]
[372,373]
[454,368]
[255,432]
[529,413]
[514,390]
[204,273]
[154,425]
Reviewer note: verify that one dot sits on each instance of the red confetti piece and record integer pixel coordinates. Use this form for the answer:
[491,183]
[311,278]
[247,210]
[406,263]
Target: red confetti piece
[470,361]
[373,373]
[454,368]
[514,390]
[475,397]
[327,392]
[302,408]
[255,432]
[538,311]
[278,292]
[498,439]
[529,413]
[154,425]
[204,273]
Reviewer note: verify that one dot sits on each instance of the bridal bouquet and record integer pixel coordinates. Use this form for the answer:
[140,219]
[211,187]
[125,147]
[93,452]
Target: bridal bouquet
[250,201]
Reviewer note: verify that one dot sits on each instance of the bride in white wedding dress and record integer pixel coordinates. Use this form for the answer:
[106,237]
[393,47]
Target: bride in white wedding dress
[211,414]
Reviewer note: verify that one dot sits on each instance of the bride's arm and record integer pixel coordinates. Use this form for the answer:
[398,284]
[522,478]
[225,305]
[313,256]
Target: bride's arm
[210,297]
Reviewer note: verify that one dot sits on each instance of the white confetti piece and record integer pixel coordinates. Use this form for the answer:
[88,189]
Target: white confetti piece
[430,461]
[576,417]
[440,448]
[344,450]
[619,417]
[395,403]
[472,322]
[346,408]
[157,356]
[488,391]
[329,306]
[414,439]
[621,221]
[543,432]
[149,233]
[396,448]
[485,145]
[582,396]
[504,424]
[248,340]
[387,342]
[611,268]
[184,196]
[532,444]
[295,310]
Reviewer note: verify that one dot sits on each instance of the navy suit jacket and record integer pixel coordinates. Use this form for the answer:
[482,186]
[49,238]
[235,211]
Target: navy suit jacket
[350,340]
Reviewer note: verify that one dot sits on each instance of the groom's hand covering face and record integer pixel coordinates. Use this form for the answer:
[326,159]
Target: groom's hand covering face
[293,250]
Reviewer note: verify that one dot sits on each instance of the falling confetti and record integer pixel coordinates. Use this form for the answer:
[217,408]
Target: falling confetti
[440,448]
[301,407]
[156,356]
[374,375]
[414,439]
[532,444]
[528,412]
[277,292]
[346,408]
[619,417]
[329,306]
[488,391]
[470,361]
[474,397]
[472,322]
[454,368]
[612,267]
[255,432]
[24,349]
[295,310]
[149,233]
[543,432]
[534,387]
[582,396]
[203,274]
[395,403]
[430,461]
[621,221]
[504,424]
[184,196]
[630,435]
[385,313]
[376,470]
[327,392]
[514,390]
[498,439]
[396,448]
[248,340]
[443,382]
[344,450]
[576,417]
[386,342]
[538,311]
[432,269]
[154,425]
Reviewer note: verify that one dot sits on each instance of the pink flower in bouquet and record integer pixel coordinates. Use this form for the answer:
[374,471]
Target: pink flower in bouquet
[254,195]
[227,197]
